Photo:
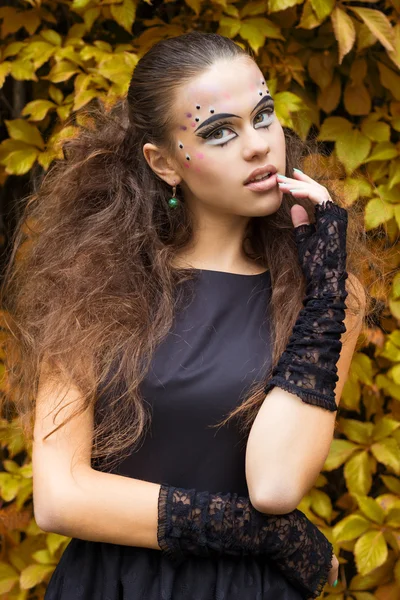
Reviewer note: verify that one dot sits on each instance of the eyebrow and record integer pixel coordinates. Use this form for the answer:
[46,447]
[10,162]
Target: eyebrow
[265,100]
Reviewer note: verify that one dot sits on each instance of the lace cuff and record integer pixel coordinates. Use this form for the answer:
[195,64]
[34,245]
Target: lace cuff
[211,525]
[307,367]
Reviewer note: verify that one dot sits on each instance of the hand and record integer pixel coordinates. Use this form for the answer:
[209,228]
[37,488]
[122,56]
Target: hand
[333,573]
[307,188]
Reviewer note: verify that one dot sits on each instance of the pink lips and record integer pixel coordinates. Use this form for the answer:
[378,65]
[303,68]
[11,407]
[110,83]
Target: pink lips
[264,185]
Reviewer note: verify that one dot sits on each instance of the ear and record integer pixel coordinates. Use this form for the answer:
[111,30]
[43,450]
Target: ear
[161,164]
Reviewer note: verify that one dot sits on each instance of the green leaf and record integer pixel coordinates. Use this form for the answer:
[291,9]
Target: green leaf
[357,472]
[387,452]
[277,5]
[339,452]
[377,212]
[392,483]
[376,131]
[251,9]
[370,508]
[125,13]
[322,8]
[361,367]
[370,551]
[350,527]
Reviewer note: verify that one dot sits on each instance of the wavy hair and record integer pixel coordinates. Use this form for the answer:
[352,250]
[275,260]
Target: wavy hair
[90,289]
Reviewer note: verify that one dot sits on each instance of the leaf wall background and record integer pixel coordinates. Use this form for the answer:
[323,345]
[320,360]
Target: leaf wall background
[333,68]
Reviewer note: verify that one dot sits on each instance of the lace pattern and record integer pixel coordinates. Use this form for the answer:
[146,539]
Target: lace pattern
[307,367]
[211,525]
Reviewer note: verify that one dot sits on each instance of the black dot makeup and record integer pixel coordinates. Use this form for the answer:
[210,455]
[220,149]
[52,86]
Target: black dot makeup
[180,145]
[260,93]
[187,157]
[212,110]
[198,106]
[197,119]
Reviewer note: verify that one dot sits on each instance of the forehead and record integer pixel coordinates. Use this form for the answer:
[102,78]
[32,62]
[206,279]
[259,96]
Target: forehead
[224,85]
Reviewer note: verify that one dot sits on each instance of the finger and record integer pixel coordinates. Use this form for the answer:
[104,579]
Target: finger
[299,215]
[316,194]
[300,176]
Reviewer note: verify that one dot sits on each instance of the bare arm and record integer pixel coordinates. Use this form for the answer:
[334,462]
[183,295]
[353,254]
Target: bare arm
[290,440]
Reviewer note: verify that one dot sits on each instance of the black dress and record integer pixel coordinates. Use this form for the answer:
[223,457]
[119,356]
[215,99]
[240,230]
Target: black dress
[218,346]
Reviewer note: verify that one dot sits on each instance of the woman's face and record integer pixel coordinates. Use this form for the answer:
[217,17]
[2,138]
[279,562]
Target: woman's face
[224,129]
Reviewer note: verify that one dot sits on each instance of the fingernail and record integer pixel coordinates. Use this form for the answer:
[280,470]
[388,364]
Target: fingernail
[298,170]
[280,175]
[334,584]
[295,190]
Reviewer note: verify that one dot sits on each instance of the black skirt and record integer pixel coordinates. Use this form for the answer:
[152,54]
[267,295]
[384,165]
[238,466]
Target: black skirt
[101,571]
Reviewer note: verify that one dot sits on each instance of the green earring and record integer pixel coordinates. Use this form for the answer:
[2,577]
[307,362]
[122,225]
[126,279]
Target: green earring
[173,202]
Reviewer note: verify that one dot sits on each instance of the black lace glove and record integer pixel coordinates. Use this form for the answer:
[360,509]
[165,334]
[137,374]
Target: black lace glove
[211,525]
[307,367]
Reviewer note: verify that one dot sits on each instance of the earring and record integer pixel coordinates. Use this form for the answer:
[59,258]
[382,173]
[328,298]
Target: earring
[173,202]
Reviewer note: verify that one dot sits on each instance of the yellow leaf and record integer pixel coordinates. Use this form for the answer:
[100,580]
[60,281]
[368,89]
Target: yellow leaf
[13,49]
[333,127]
[357,99]
[384,427]
[5,69]
[394,305]
[365,39]
[251,9]
[344,31]
[321,504]
[352,148]
[377,212]
[396,294]
[322,8]
[376,131]
[370,508]
[55,94]
[382,151]
[195,5]
[37,109]
[389,79]
[23,70]
[51,36]
[357,473]
[20,129]
[34,574]
[267,27]
[351,395]
[253,35]
[229,27]
[339,452]
[79,4]
[378,23]
[361,366]
[61,71]
[370,551]
[124,14]
[90,16]
[277,5]
[387,452]
[84,97]
[350,527]
[356,431]
[9,486]
[320,68]
[394,172]
[309,19]
[392,483]
[21,161]
[8,577]
[395,56]
[43,557]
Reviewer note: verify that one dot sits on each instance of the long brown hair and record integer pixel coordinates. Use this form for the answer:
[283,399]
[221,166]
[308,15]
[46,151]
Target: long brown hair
[90,281]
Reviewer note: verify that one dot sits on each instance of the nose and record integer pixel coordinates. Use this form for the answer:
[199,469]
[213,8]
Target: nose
[256,143]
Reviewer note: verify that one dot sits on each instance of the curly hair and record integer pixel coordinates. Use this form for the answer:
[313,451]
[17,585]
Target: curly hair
[90,289]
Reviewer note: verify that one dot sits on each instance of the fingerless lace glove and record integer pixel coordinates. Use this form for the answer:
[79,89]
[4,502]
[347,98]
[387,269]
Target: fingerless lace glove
[211,525]
[307,367]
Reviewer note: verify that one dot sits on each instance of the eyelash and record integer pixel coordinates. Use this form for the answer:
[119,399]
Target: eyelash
[208,133]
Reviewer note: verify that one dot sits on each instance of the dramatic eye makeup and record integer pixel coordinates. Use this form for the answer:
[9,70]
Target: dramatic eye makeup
[267,116]
[265,101]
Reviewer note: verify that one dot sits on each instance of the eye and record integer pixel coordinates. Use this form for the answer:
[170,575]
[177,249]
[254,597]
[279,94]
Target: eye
[268,113]
[216,136]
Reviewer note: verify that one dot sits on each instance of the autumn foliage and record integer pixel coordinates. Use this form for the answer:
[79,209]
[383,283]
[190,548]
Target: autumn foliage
[333,69]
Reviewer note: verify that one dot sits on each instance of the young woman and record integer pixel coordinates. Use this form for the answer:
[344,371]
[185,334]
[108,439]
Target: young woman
[183,354]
